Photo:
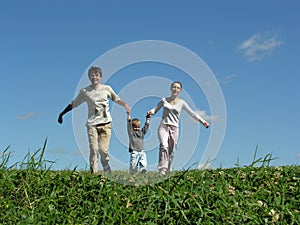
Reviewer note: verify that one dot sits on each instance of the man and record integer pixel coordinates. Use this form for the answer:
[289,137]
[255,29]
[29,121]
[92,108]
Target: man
[97,97]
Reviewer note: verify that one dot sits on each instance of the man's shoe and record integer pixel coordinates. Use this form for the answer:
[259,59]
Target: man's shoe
[107,169]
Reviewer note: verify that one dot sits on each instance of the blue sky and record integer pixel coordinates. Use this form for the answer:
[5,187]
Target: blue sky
[251,47]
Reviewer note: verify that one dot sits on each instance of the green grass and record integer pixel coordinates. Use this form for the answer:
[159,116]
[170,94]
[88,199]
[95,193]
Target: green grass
[31,193]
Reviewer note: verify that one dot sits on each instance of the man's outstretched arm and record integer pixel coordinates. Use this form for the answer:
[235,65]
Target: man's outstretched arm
[67,109]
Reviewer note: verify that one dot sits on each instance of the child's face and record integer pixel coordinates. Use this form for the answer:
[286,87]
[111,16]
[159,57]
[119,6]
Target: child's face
[136,126]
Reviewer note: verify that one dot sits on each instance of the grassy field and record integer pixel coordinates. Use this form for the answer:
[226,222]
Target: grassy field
[31,193]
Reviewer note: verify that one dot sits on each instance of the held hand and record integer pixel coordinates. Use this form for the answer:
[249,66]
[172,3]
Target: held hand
[127,109]
[148,116]
[206,124]
[128,115]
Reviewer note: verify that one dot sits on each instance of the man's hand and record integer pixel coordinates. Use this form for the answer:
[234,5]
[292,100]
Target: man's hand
[127,108]
[60,119]
[67,109]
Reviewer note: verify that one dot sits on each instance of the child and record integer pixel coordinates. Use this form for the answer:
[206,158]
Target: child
[136,143]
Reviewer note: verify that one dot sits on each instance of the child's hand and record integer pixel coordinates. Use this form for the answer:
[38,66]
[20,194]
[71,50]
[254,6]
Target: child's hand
[148,115]
[128,115]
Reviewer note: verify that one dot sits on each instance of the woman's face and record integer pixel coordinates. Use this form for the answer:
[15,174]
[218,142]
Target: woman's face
[175,89]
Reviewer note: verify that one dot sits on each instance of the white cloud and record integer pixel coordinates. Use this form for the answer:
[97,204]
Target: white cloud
[207,117]
[208,83]
[221,79]
[228,78]
[58,151]
[26,116]
[260,45]
[85,152]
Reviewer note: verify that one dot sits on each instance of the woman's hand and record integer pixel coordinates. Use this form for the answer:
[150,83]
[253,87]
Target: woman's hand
[206,124]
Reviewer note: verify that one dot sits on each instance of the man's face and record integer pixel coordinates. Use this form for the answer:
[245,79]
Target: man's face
[95,78]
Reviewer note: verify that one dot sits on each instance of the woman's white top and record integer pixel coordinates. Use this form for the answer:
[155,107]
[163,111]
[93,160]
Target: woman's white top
[171,113]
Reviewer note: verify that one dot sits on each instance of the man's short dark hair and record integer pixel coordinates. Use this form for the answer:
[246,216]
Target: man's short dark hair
[94,69]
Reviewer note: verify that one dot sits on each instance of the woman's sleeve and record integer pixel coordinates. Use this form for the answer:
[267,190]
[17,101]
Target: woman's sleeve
[192,113]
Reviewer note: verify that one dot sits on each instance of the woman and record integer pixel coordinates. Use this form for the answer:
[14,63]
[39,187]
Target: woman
[168,128]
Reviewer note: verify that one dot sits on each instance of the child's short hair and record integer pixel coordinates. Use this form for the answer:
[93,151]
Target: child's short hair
[94,69]
[136,122]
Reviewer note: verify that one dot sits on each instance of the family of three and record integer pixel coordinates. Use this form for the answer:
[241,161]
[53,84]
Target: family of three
[97,97]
